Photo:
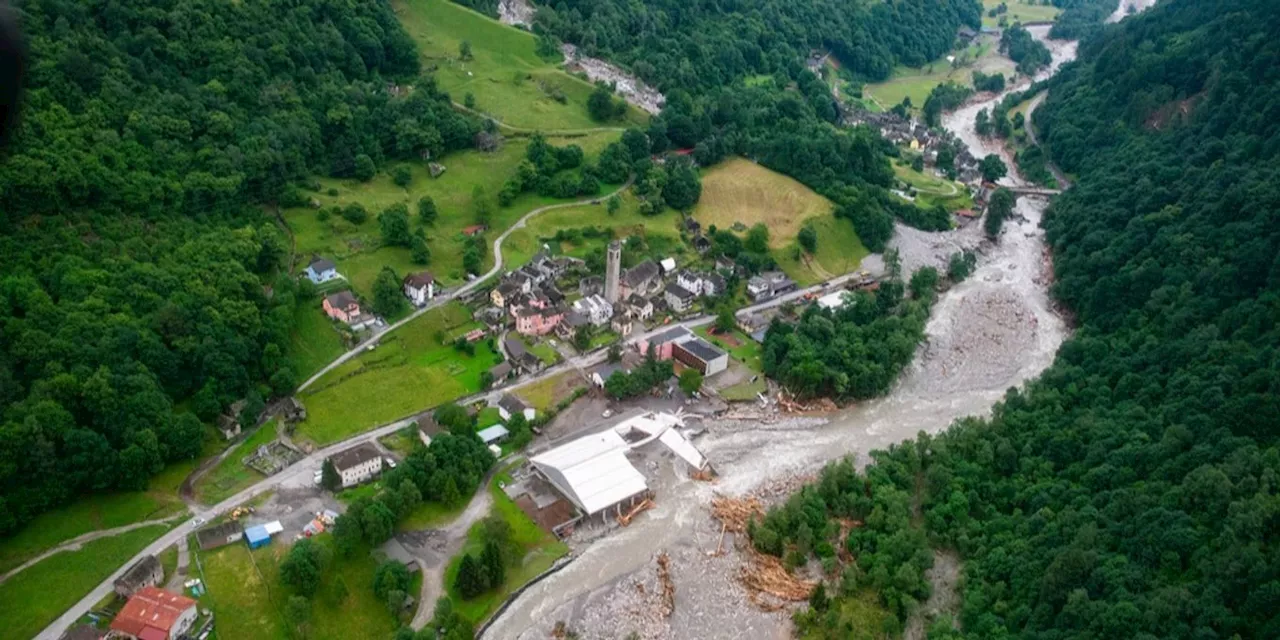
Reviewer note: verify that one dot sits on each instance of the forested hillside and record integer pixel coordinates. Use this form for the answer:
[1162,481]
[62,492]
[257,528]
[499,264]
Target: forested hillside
[676,44]
[137,262]
[1134,490]
[729,71]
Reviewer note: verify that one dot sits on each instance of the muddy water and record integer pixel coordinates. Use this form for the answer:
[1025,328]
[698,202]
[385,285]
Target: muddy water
[994,331]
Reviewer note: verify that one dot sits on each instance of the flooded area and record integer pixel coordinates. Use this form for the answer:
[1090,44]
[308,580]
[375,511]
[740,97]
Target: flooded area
[994,331]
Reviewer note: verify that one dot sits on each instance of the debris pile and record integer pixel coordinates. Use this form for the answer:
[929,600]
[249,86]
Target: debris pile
[668,587]
[817,405]
[736,512]
[703,475]
[644,505]
[769,585]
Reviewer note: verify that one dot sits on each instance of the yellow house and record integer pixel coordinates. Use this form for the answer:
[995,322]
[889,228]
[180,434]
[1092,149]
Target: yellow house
[915,144]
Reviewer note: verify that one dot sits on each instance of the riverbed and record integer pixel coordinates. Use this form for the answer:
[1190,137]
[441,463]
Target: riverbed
[994,331]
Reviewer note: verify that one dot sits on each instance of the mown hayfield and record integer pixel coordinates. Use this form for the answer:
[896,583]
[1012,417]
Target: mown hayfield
[742,191]
[738,190]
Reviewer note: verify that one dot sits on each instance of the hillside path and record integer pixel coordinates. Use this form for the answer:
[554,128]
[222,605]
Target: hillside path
[75,544]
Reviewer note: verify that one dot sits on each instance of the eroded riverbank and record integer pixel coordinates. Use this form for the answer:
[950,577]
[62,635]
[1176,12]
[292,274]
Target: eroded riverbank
[994,331]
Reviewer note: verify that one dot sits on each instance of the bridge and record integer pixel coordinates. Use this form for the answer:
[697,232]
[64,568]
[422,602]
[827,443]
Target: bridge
[1034,191]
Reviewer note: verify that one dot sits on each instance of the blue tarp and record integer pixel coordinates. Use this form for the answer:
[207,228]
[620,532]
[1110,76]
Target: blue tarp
[257,536]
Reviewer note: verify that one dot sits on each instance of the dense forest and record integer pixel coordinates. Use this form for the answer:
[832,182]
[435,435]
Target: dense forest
[1081,18]
[1133,491]
[696,45]
[139,271]
[858,350]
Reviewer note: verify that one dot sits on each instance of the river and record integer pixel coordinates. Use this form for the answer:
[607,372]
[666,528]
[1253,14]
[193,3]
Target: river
[994,331]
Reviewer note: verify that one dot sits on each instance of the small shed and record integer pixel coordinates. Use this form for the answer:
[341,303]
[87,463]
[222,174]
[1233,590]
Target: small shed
[493,434]
[257,536]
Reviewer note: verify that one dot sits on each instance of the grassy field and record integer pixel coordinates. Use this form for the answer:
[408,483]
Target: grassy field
[314,342]
[744,391]
[246,595]
[748,352]
[230,475]
[410,370]
[916,83]
[545,394]
[541,550]
[545,352]
[839,251]
[401,442]
[358,250]
[661,230]
[33,598]
[931,189]
[1019,11]
[430,515]
[94,513]
[506,76]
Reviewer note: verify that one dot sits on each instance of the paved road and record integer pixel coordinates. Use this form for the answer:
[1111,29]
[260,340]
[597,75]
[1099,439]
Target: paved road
[302,471]
[445,298]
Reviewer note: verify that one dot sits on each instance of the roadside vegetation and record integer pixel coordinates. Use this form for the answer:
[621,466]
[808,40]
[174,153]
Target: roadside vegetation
[231,475]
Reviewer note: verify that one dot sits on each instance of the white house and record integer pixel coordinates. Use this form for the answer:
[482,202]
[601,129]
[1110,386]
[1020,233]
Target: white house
[420,287]
[690,281]
[509,405]
[321,270]
[357,464]
[679,298]
[595,309]
[668,265]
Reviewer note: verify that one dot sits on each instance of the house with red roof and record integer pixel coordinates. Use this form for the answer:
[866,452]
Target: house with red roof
[155,614]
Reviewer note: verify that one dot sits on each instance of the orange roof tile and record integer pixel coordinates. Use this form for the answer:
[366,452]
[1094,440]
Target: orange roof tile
[151,608]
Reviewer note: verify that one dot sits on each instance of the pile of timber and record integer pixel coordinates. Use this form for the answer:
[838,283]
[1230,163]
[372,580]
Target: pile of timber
[668,587]
[734,513]
[769,585]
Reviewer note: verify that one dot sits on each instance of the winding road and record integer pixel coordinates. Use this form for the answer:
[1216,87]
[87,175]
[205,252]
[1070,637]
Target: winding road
[445,298]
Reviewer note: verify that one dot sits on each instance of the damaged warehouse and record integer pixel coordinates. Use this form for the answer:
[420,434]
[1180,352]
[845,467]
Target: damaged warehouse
[595,475]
